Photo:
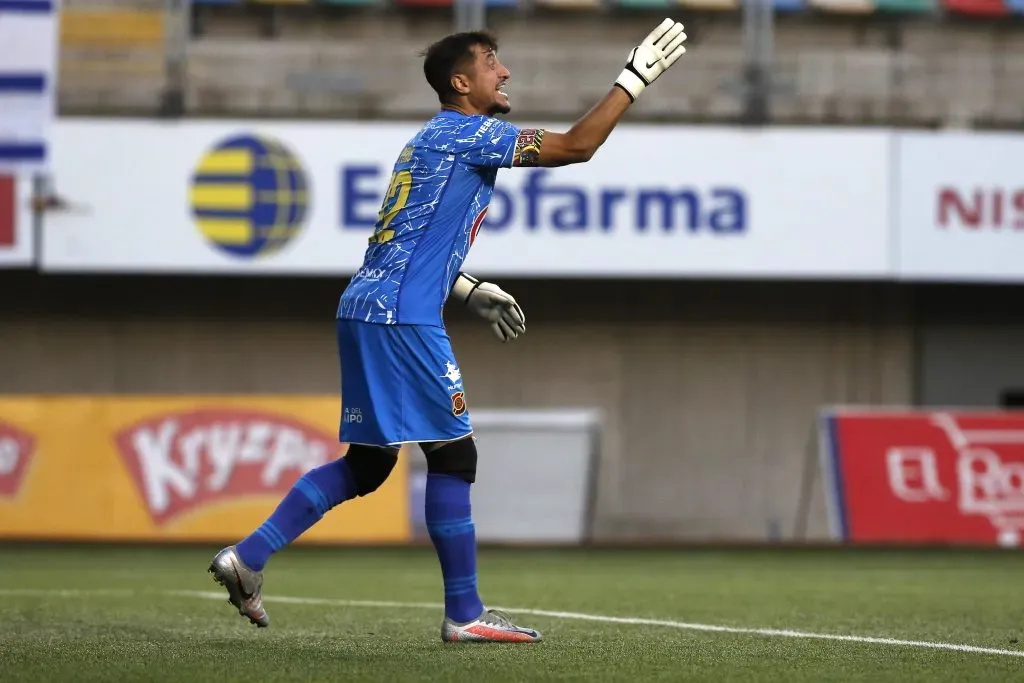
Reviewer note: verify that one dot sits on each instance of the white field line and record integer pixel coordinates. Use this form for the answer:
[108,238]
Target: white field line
[67,592]
[578,616]
[632,621]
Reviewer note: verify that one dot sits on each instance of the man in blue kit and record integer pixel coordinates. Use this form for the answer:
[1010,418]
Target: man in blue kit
[400,381]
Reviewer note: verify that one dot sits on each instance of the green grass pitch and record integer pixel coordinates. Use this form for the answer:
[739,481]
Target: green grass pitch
[81,613]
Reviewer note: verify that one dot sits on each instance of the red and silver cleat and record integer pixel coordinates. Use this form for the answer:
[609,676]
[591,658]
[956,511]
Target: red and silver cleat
[490,627]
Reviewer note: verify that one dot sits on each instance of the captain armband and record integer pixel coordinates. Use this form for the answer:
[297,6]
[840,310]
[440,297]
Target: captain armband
[527,150]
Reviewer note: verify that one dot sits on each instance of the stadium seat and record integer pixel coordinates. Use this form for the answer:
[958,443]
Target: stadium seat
[645,4]
[1016,6]
[710,4]
[111,28]
[570,4]
[424,3]
[845,6]
[978,8]
[114,56]
[907,5]
[789,5]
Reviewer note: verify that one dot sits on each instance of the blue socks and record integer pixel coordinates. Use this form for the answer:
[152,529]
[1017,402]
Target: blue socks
[314,494]
[451,529]
[448,517]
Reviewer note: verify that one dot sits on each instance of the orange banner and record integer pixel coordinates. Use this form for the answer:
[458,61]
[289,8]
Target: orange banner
[201,468]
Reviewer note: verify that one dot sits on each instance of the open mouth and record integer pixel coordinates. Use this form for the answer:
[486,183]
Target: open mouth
[502,89]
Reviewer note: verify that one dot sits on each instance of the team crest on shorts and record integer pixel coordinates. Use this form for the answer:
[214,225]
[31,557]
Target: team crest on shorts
[458,403]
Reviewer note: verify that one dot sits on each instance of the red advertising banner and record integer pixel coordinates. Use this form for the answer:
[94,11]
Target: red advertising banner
[925,477]
[7,213]
[17,245]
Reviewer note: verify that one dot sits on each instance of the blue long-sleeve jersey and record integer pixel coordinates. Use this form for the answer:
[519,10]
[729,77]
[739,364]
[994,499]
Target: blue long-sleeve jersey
[440,188]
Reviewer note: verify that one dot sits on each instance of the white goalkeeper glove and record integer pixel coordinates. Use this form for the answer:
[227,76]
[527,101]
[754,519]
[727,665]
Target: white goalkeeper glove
[490,302]
[651,58]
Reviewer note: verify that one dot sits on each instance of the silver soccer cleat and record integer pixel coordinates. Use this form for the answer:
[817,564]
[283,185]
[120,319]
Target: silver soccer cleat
[490,627]
[244,585]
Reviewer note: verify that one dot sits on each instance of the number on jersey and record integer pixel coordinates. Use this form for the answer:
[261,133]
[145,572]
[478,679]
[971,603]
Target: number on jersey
[394,201]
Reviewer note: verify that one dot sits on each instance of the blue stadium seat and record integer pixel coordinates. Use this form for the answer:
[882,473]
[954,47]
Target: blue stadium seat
[790,5]
[1016,6]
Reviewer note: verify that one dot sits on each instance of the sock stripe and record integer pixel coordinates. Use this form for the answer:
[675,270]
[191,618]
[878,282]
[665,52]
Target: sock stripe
[310,497]
[451,527]
[272,539]
[325,504]
[266,536]
[454,580]
[461,585]
[280,539]
[313,492]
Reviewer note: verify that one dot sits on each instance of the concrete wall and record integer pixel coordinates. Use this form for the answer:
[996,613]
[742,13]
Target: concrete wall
[971,347]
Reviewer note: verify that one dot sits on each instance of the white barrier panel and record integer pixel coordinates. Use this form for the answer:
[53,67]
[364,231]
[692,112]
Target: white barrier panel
[961,207]
[655,201]
[557,507]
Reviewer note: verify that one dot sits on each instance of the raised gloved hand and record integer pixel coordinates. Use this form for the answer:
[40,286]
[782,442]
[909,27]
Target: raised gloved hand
[490,302]
[651,58]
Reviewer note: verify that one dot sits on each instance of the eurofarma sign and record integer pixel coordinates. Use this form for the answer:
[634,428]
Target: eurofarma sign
[302,198]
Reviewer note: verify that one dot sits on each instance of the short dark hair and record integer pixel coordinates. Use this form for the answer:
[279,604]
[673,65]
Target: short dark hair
[446,56]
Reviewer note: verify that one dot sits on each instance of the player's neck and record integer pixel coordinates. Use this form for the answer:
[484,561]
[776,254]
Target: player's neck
[463,109]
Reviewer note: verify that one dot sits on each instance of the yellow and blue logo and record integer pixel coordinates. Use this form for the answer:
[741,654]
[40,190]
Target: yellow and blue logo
[249,196]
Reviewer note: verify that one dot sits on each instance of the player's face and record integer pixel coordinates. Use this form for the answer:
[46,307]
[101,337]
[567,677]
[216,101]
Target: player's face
[487,83]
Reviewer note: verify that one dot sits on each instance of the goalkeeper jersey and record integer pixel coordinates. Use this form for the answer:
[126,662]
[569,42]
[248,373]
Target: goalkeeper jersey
[435,202]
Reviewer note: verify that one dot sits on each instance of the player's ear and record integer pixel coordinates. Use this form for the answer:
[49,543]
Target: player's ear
[460,84]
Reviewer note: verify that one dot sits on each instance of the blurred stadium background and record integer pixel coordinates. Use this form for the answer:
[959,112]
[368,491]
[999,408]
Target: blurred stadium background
[682,406]
[917,62]
[707,386]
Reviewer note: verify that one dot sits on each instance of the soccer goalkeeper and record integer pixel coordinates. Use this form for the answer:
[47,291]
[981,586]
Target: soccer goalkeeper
[400,382]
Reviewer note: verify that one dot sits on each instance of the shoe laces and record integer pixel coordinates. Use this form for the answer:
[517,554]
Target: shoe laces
[502,618]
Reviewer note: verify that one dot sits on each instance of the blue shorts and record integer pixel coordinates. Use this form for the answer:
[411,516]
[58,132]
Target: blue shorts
[399,384]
